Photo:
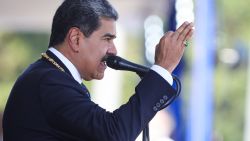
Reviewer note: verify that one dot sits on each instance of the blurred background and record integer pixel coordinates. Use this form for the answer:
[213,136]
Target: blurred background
[215,70]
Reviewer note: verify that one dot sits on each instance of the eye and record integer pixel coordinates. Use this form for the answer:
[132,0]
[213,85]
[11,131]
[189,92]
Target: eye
[108,39]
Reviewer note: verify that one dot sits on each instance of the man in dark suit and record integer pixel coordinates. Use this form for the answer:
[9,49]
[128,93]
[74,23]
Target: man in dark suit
[49,102]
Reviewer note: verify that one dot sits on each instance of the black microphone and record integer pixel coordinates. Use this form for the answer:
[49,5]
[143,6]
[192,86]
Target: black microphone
[118,63]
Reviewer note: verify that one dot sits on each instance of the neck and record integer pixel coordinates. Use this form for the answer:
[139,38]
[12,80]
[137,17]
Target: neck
[67,53]
[69,64]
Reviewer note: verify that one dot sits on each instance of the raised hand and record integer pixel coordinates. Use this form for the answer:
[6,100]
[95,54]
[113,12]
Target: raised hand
[171,47]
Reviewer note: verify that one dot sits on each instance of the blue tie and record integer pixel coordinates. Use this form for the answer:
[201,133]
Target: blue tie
[85,90]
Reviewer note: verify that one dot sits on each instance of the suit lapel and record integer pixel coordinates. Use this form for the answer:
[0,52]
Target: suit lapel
[85,90]
[60,63]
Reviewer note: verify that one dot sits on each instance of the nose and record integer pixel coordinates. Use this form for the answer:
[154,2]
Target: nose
[112,50]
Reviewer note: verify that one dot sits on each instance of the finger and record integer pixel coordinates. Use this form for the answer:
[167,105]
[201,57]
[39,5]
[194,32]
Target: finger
[189,35]
[169,34]
[185,43]
[182,27]
[179,31]
[185,32]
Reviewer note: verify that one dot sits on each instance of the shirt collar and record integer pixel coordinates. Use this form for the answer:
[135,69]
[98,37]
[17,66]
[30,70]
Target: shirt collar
[76,75]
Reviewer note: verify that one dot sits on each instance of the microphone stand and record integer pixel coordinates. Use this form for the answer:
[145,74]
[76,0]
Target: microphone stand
[145,132]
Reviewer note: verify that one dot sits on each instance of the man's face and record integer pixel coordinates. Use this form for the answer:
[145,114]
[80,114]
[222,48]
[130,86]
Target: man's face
[94,48]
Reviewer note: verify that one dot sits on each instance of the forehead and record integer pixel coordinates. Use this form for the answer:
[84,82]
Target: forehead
[106,26]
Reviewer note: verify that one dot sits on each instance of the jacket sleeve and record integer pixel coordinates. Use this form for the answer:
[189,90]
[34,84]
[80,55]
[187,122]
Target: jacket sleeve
[69,110]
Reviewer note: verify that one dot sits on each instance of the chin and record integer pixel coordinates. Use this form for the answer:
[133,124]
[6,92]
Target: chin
[99,77]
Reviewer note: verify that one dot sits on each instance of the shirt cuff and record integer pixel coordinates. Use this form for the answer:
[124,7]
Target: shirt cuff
[163,73]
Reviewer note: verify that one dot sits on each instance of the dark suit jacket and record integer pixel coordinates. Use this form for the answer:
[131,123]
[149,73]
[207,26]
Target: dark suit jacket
[47,104]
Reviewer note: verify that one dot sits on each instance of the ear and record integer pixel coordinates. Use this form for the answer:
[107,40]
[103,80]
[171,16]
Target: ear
[73,37]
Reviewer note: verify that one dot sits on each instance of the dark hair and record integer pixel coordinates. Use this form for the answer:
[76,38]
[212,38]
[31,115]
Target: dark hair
[84,14]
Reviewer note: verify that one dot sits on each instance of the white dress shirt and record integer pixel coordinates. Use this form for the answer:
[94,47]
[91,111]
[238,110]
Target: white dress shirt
[74,72]
[163,73]
[76,75]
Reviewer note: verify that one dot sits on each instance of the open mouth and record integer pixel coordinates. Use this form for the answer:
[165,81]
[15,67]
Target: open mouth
[104,60]
[104,63]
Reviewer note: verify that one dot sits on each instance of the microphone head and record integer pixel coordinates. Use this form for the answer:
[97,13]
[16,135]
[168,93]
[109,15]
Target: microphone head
[119,63]
[112,61]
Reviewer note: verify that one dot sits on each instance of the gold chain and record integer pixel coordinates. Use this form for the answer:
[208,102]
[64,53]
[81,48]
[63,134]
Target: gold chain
[52,61]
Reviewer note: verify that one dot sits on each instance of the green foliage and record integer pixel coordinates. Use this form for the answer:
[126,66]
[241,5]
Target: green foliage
[134,53]
[230,84]
[234,19]
[4,93]
[14,55]
[229,102]
[17,51]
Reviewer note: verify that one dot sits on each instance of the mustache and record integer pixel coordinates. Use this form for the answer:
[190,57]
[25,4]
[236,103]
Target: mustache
[104,59]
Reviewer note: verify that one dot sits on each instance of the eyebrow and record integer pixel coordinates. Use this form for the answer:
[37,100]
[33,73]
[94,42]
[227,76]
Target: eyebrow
[109,35]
